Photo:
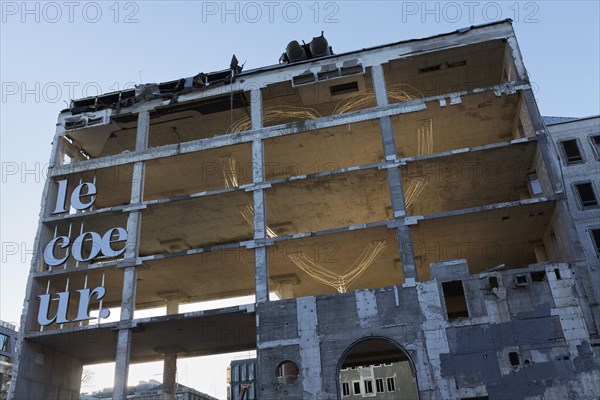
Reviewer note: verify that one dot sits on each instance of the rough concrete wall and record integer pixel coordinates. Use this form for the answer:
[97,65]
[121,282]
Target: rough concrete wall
[586,171]
[47,374]
[546,333]
[341,320]
[539,319]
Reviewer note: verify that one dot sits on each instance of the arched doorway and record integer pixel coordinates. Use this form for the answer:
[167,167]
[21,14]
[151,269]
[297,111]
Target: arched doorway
[376,368]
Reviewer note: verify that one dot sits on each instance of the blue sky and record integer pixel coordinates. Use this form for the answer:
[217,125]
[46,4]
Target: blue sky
[51,52]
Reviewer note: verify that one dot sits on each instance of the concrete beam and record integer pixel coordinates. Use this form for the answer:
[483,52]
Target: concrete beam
[507,204]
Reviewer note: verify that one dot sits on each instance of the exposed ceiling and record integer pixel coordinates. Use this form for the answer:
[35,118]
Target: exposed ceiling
[478,120]
[317,204]
[470,179]
[323,150]
[189,335]
[197,222]
[197,172]
[485,239]
[447,71]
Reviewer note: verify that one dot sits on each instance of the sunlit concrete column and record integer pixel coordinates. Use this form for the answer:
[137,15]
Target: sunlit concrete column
[124,336]
[261,270]
[394,178]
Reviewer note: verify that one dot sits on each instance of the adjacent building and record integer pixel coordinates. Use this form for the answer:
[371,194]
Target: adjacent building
[576,153]
[389,381]
[152,390]
[8,342]
[392,212]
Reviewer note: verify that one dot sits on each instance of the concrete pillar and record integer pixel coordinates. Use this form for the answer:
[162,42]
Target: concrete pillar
[310,348]
[286,290]
[540,253]
[123,352]
[124,336]
[172,306]
[284,285]
[403,234]
[261,270]
[169,386]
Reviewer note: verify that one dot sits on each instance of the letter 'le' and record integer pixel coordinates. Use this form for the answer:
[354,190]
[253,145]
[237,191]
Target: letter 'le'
[76,196]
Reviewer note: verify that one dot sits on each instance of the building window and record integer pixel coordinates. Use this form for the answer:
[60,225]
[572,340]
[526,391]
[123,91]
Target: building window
[356,387]
[586,194]
[379,385]
[513,357]
[534,184]
[287,372]
[538,276]
[4,342]
[571,151]
[368,387]
[454,297]
[596,144]
[596,240]
[391,384]
[346,389]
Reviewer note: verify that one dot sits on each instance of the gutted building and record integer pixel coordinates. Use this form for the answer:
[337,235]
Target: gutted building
[395,208]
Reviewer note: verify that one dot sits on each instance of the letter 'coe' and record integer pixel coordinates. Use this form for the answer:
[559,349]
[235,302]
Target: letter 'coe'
[100,245]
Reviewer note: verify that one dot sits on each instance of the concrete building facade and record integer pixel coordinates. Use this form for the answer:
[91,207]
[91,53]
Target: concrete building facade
[576,152]
[8,344]
[398,204]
